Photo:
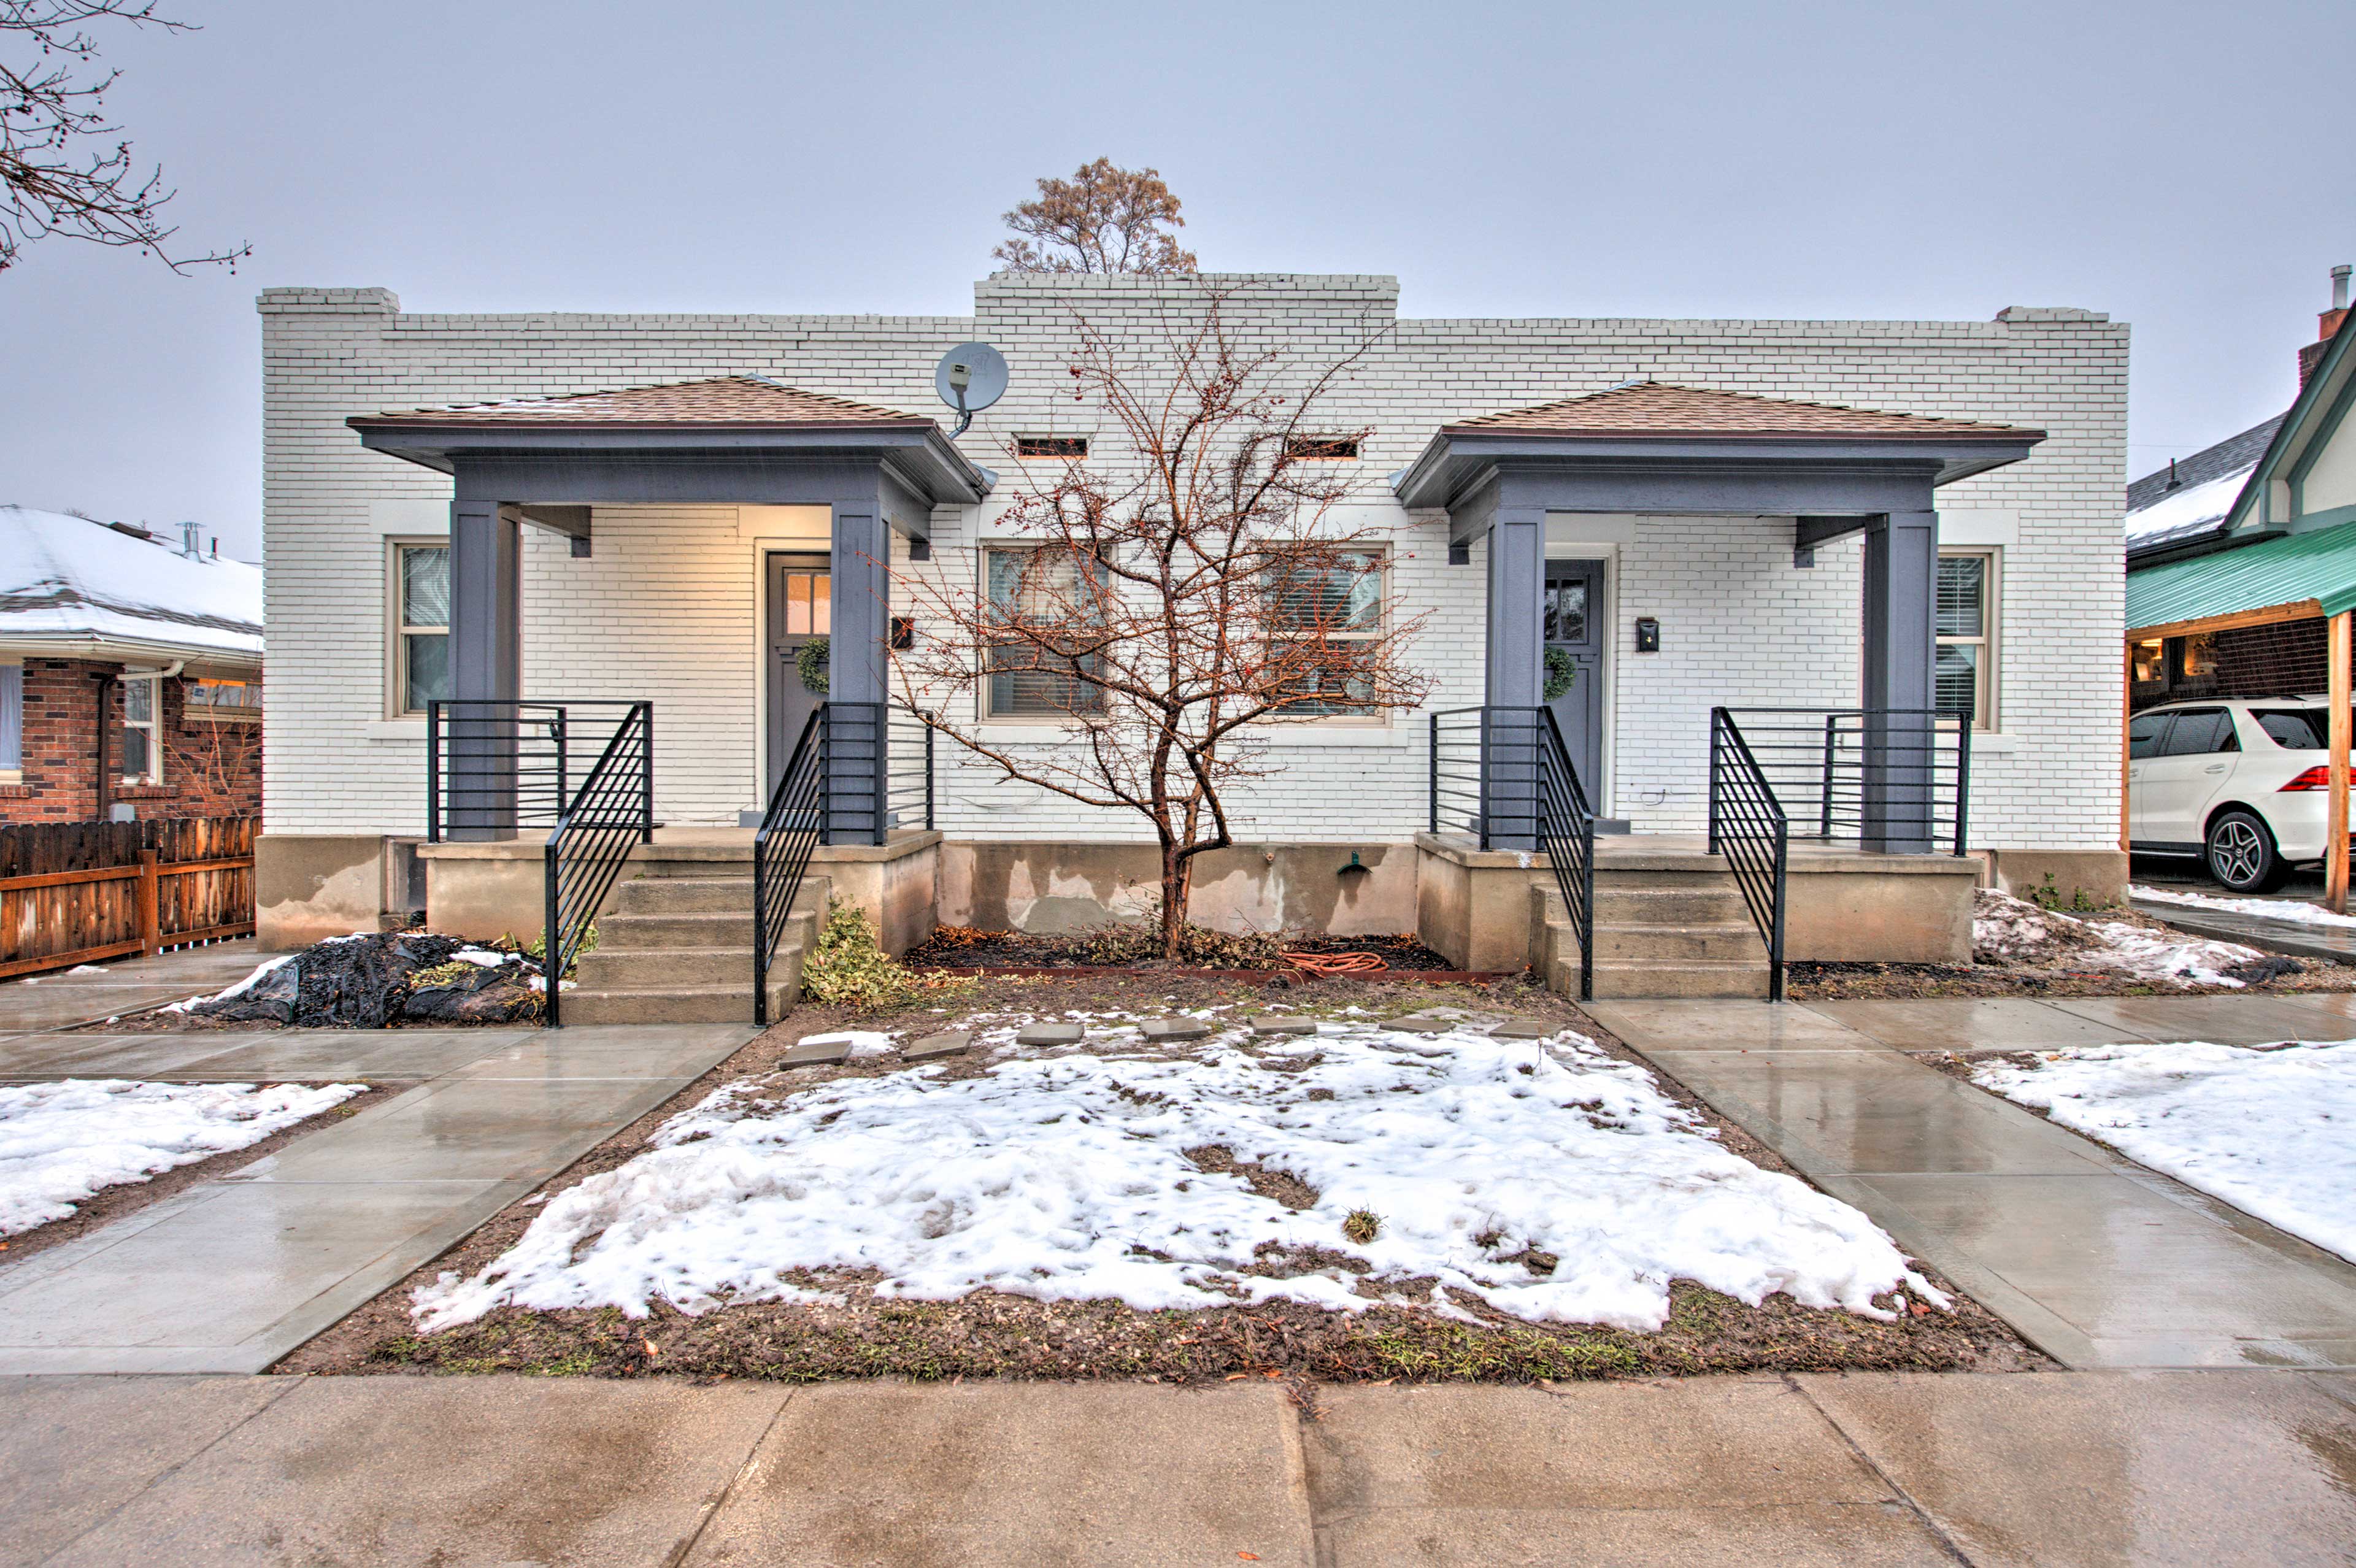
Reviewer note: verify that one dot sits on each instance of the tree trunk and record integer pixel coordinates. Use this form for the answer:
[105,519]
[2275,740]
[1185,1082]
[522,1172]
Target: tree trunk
[1176,874]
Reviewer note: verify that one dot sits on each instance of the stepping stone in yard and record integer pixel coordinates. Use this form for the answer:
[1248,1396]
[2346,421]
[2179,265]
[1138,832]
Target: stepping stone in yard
[1051,1034]
[821,1052]
[951,1044]
[1526,1029]
[1284,1026]
[1175,1028]
[1419,1024]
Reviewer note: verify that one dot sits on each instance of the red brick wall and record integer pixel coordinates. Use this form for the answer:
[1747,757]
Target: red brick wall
[209,770]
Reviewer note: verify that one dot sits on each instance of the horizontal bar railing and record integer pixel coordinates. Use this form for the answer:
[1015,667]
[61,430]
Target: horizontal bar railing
[497,766]
[1484,771]
[908,780]
[1894,778]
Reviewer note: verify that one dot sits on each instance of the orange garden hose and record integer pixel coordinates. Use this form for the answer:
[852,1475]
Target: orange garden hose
[1327,964]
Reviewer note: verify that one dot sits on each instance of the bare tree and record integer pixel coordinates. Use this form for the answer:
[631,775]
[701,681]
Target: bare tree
[64,169]
[220,759]
[1102,220]
[1165,608]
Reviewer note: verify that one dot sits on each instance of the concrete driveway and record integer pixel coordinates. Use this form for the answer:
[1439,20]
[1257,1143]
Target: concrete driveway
[120,987]
[228,1276]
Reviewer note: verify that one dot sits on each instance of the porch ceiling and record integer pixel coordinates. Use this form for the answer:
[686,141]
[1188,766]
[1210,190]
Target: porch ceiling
[1644,433]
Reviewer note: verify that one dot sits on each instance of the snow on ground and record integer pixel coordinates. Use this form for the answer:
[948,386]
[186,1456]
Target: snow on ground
[2297,909]
[2010,931]
[240,989]
[62,1143]
[1064,1177]
[2271,1130]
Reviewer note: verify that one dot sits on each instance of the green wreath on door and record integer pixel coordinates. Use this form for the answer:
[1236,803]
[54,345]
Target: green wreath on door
[811,660]
[1561,674]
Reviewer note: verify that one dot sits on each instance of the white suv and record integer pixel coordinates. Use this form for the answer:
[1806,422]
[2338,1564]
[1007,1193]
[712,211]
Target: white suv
[2241,781]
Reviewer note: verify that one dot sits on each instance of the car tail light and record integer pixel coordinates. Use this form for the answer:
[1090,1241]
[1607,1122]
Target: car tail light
[2315,777]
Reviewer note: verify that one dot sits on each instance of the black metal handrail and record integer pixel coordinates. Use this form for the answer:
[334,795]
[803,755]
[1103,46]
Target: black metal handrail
[1479,756]
[1891,778]
[1567,833]
[1749,826]
[611,814]
[790,832]
[908,789]
[496,765]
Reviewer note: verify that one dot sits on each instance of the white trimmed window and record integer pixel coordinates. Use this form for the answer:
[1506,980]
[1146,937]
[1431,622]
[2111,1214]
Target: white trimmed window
[1340,602]
[1034,585]
[222,701]
[1966,674]
[12,723]
[417,616]
[141,760]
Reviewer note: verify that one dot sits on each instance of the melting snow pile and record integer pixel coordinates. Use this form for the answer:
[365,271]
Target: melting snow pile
[1065,1178]
[2296,910]
[2016,933]
[62,1143]
[2271,1131]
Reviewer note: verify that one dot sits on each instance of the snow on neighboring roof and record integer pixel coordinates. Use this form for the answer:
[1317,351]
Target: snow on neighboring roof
[2193,495]
[65,579]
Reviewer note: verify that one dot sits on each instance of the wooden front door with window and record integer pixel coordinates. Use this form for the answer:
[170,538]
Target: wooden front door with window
[800,608]
[1574,642]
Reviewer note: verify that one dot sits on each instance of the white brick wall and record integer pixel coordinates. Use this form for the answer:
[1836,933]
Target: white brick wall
[665,608]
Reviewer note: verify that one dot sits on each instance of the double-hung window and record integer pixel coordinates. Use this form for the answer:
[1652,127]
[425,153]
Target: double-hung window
[1330,606]
[12,723]
[1964,674]
[141,758]
[1035,672]
[417,598]
[223,700]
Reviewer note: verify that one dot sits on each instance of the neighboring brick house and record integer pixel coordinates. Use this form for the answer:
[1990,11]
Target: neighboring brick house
[1691,603]
[167,639]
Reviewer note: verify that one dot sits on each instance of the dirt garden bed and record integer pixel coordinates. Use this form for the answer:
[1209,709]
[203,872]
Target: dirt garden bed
[1419,1332]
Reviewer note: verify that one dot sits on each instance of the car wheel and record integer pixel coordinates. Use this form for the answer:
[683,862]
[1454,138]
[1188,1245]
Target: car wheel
[2242,855]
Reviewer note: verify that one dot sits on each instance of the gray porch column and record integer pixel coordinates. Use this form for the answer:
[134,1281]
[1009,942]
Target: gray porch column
[1902,576]
[858,692]
[1513,679]
[486,667]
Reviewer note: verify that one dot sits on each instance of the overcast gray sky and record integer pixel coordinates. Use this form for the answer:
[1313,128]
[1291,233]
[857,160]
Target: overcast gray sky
[2184,167]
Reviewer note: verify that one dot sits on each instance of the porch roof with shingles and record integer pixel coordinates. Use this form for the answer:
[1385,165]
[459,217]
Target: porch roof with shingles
[1666,409]
[720,402]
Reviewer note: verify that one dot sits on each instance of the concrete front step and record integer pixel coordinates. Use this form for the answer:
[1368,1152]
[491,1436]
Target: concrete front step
[1695,902]
[729,929]
[1728,942]
[667,968]
[1693,979]
[665,956]
[673,1005]
[684,895]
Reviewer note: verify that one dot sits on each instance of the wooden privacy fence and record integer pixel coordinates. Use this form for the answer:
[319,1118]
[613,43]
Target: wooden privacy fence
[73,892]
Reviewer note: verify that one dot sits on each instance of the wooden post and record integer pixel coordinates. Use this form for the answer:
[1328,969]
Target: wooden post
[150,922]
[2127,714]
[2335,833]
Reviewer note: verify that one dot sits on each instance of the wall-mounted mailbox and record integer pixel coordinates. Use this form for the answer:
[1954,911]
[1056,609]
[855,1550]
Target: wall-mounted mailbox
[1648,635]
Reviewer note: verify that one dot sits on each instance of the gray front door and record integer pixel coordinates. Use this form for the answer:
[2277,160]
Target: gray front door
[800,602]
[1574,624]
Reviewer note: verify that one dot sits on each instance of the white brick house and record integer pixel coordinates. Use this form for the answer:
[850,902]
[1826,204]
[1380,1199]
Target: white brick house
[668,602]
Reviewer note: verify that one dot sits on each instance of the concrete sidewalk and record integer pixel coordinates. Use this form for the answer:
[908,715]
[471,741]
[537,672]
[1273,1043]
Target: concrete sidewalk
[2061,1469]
[2092,1258]
[230,1274]
[120,987]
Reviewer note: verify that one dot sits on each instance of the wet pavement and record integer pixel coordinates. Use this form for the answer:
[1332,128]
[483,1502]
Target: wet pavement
[121,987]
[231,1273]
[2095,1260]
[2103,1470]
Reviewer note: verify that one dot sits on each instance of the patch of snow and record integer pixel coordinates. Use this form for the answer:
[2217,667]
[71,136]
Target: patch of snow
[863,1044]
[87,970]
[1064,1177]
[62,1143]
[2010,931]
[2297,909]
[240,989]
[2265,1129]
[2189,507]
[66,578]
[482,957]
[539,983]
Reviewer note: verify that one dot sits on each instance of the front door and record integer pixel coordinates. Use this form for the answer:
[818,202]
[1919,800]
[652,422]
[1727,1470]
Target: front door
[800,606]
[1574,646]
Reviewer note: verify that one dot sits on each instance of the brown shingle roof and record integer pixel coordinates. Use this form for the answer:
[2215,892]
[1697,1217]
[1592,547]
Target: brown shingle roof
[1659,408]
[732,401]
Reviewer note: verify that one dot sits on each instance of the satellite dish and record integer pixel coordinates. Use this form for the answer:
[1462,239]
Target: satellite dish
[969,378]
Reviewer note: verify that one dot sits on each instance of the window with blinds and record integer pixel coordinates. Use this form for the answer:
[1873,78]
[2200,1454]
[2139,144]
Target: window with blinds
[12,722]
[1034,586]
[1963,677]
[1337,602]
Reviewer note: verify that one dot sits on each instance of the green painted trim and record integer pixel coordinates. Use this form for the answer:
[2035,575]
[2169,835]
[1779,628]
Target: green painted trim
[2329,518]
[2315,446]
[2301,411]
[2318,565]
